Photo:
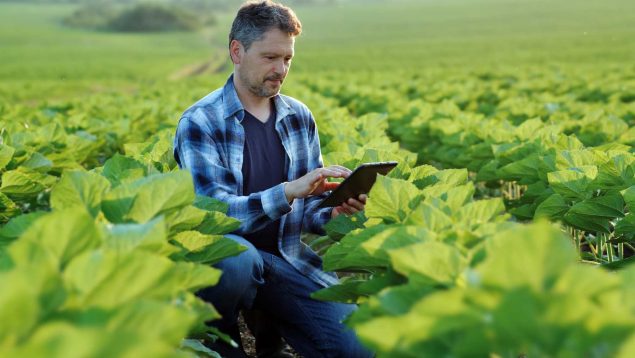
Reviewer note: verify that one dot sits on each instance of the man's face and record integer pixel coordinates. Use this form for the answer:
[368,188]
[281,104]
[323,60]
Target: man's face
[264,66]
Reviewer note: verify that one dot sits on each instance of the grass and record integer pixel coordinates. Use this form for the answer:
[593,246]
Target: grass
[42,58]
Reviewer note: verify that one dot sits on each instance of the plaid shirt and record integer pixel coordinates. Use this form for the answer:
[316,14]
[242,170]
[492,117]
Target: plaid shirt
[209,142]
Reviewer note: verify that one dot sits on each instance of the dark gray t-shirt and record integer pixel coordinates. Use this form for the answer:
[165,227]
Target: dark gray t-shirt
[263,168]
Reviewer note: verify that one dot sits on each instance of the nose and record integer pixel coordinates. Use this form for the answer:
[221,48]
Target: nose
[281,67]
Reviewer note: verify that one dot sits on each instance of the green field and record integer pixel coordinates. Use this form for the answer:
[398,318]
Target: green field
[507,230]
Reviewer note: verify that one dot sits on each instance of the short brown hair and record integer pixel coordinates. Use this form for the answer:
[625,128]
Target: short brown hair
[254,18]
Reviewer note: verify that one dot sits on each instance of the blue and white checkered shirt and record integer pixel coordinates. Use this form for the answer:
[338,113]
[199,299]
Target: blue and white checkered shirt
[209,143]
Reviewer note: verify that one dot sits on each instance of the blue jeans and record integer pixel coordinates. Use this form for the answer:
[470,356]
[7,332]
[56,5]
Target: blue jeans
[260,280]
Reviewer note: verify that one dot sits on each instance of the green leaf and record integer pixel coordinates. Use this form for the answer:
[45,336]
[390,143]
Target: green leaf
[75,232]
[24,183]
[524,170]
[482,211]
[217,223]
[573,183]
[186,218]
[8,208]
[568,159]
[451,177]
[595,214]
[553,208]
[146,198]
[629,198]
[354,291]
[488,172]
[367,249]
[532,256]
[343,224]
[195,346]
[429,217]
[107,278]
[391,199]
[19,307]
[428,262]
[37,162]
[77,188]
[18,225]
[608,206]
[206,249]
[626,227]
[210,204]
[151,236]
[617,173]
[120,169]
[6,153]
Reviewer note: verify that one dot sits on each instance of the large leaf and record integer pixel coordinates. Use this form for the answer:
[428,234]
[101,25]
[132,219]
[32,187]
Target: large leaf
[18,225]
[629,198]
[217,223]
[553,208]
[482,211]
[366,249]
[524,170]
[107,278]
[6,153]
[119,169]
[531,256]
[77,188]
[448,176]
[595,214]
[353,291]
[626,227]
[430,261]
[23,183]
[391,199]
[206,249]
[75,232]
[573,183]
[429,217]
[343,224]
[151,236]
[146,198]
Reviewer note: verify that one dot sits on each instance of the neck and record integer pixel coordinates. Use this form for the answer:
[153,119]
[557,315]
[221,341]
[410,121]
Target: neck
[250,102]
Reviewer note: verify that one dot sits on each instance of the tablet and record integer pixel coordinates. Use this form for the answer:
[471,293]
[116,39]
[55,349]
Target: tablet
[359,182]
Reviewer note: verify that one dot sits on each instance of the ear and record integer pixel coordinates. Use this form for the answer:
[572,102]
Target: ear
[236,51]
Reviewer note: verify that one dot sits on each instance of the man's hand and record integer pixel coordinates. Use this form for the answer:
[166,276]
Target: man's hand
[350,207]
[314,182]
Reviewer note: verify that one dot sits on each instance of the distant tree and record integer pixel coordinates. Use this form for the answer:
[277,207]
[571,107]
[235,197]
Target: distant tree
[94,15]
[153,17]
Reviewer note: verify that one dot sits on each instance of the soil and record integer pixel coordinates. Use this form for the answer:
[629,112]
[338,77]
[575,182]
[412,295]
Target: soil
[249,342]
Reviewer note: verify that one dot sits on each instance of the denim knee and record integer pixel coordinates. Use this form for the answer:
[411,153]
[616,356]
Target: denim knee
[241,276]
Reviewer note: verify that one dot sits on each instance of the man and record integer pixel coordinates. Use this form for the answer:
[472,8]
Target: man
[259,151]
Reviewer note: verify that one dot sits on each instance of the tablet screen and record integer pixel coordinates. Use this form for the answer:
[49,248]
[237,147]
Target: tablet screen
[359,182]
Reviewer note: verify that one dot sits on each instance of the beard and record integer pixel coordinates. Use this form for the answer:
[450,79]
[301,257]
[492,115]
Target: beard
[260,88]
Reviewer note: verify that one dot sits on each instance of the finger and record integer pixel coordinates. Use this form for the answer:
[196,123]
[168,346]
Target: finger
[356,204]
[335,172]
[349,209]
[331,173]
[363,198]
[341,168]
[330,186]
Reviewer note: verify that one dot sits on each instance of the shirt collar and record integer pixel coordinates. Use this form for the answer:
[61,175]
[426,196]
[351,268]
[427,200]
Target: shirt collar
[234,107]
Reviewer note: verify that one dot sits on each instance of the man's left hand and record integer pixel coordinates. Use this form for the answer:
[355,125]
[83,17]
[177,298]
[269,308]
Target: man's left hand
[350,207]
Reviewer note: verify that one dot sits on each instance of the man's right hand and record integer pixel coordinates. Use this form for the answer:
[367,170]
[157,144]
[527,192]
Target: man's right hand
[314,182]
